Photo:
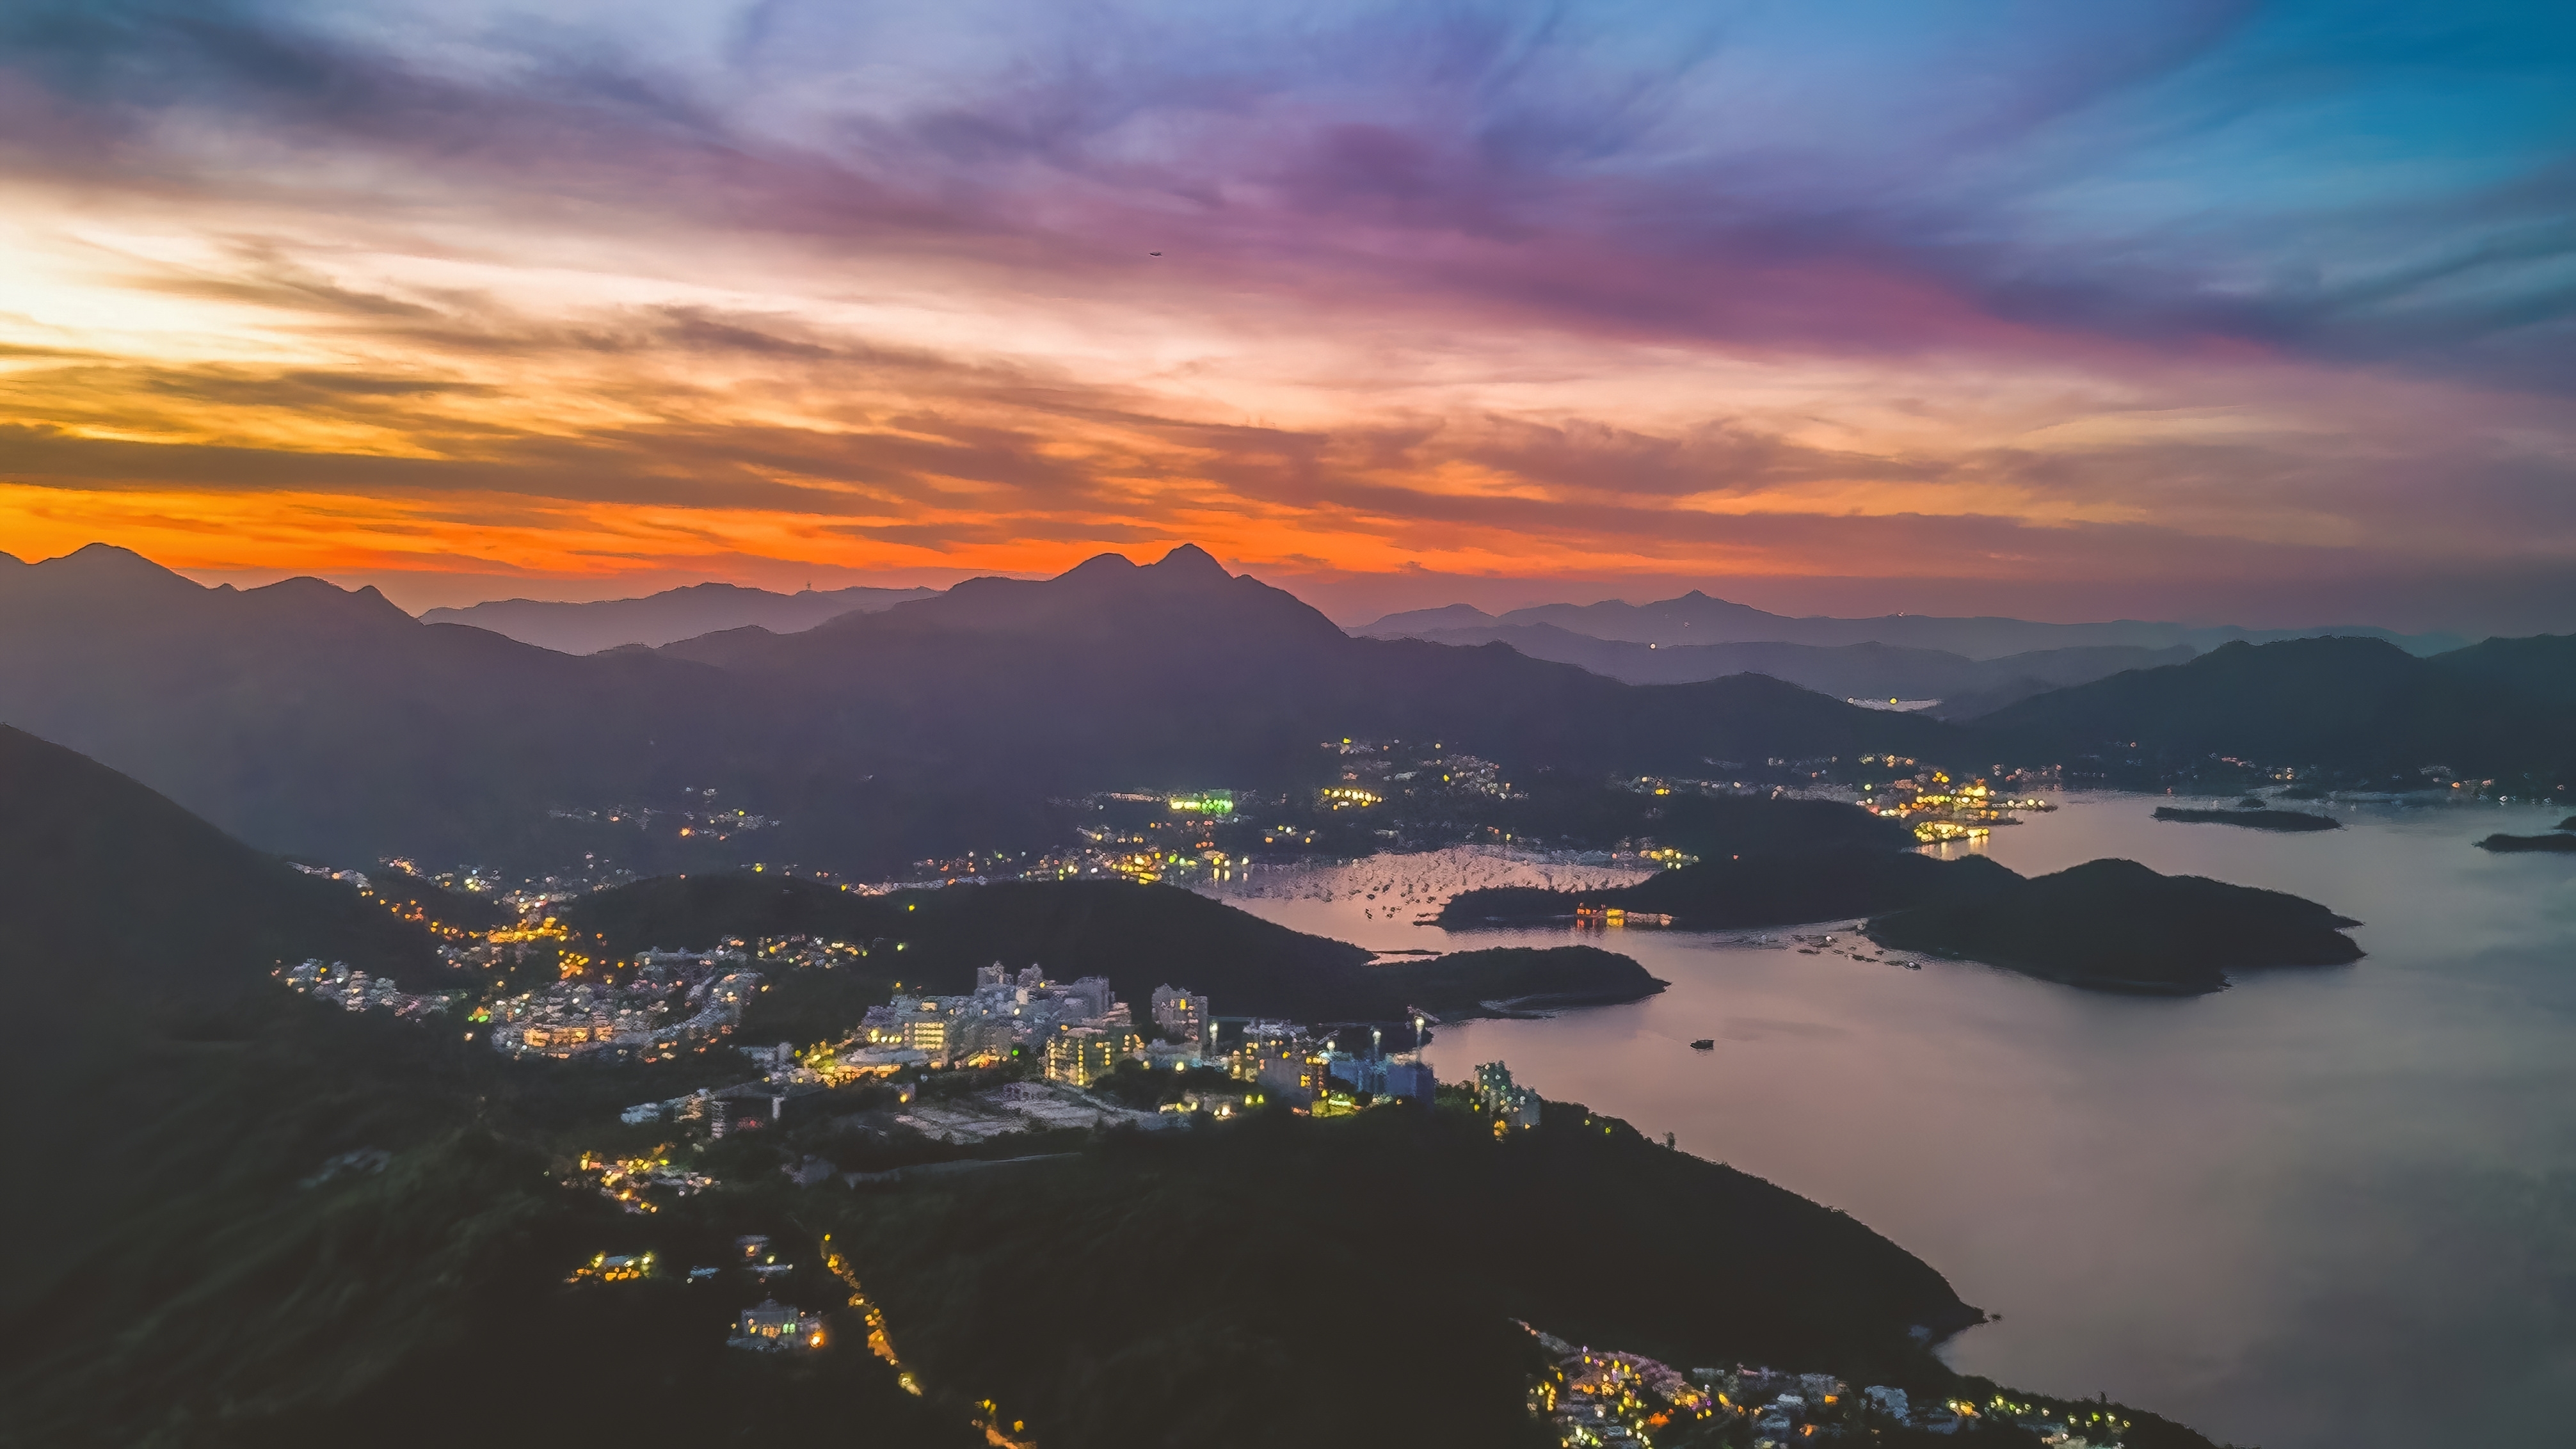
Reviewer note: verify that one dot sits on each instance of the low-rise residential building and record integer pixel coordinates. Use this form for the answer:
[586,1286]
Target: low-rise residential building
[1183,1014]
[778,1327]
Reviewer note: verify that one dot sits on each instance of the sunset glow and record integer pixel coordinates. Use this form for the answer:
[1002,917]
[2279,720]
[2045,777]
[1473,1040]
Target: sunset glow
[2189,310]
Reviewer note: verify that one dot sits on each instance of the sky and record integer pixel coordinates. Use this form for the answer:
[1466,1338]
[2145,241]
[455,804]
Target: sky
[2213,311]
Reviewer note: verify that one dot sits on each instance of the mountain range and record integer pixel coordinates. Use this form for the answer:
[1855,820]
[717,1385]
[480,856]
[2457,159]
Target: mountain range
[1695,618]
[329,723]
[661,618]
[2502,708]
[1962,687]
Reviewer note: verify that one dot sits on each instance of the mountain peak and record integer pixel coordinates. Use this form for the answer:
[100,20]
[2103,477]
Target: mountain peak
[1193,562]
[1099,565]
[106,561]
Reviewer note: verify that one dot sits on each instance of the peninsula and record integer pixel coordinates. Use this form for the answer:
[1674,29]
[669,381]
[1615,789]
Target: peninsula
[2115,925]
[2556,843]
[1748,891]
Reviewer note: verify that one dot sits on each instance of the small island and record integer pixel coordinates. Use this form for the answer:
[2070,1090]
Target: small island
[2252,817]
[2115,925]
[1514,980]
[2558,843]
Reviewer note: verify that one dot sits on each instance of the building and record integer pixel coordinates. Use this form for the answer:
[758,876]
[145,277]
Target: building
[1081,1055]
[1292,1070]
[778,1327]
[1164,1056]
[1182,1014]
[1360,1074]
[928,1035]
[1512,1106]
[1410,1080]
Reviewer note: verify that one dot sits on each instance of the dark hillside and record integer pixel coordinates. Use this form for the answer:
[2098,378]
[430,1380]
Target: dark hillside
[305,718]
[1139,936]
[1757,890]
[184,1266]
[2541,667]
[2357,705]
[109,889]
[1262,1244]
[2116,924]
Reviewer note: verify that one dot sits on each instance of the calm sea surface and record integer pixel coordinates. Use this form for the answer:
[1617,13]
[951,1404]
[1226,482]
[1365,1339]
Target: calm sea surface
[2328,1207]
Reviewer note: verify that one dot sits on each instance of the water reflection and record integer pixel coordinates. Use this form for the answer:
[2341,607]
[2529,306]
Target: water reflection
[2329,1206]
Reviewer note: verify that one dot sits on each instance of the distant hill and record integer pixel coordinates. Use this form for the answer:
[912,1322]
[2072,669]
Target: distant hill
[2116,925]
[2358,705]
[325,722]
[662,618]
[1177,673]
[1695,618]
[2541,667]
[1139,936]
[1844,671]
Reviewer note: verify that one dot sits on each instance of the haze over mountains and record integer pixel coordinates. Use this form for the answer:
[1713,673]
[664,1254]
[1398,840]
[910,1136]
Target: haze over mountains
[1963,687]
[657,619]
[1695,618]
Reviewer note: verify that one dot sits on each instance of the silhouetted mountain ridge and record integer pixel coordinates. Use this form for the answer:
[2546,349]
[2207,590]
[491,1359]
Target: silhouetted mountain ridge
[2356,704]
[1696,618]
[327,723]
[657,619]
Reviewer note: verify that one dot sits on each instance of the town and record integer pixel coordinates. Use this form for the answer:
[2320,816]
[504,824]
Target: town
[1024,1065]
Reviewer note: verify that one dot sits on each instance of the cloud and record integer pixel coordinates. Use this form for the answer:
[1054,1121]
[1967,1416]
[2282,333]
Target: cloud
[2042,295]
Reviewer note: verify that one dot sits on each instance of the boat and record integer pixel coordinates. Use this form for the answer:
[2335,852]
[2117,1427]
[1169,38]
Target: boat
[1704,1044]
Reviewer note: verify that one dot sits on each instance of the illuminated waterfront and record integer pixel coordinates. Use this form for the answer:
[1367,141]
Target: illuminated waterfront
[2253,1211]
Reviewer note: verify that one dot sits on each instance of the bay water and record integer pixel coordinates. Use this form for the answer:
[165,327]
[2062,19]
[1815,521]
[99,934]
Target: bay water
[2326,1207]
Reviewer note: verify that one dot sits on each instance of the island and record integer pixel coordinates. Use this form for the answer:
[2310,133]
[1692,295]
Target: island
[2253,816]
[1513,980]
[2553,844]
[1745,892]
[2115,925]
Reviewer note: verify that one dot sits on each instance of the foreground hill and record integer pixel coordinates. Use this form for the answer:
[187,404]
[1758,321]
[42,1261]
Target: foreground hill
[2360,706]
[1422,1217]
[110,891]
[329,723]
[185,1265]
